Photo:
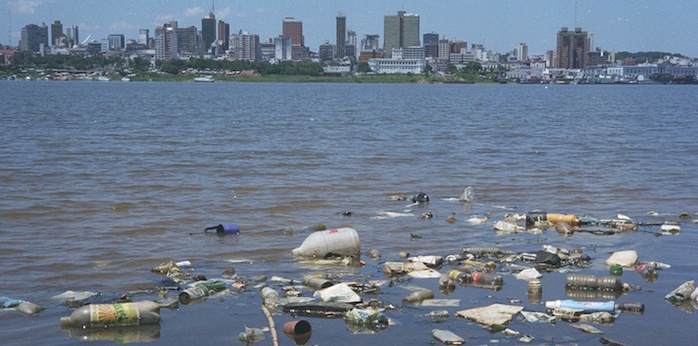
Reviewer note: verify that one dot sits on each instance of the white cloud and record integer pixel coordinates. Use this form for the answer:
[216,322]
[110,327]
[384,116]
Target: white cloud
[164,18]
[193,12]
[224,14]
[24,6]
[121,27]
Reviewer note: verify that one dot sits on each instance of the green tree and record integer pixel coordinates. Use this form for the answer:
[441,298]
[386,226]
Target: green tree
[364,67]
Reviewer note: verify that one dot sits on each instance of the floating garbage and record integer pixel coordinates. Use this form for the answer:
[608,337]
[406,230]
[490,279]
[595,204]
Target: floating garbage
[340,241]
[251,336]
[587,328]
[418,296]
[23,306]
[670,227]
[420,198]
[113,315]
[227,228]
[74,295]
[447,337]
[626,258]
[201,289]
[317,309]
[493,316]
[366,320]
[298,330]
[592,282]
[340,292]
[681,293]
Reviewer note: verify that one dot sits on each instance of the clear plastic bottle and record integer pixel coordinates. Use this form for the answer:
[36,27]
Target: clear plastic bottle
[592,282]
[418,296]
[648,273]
[466,276]
[119,314]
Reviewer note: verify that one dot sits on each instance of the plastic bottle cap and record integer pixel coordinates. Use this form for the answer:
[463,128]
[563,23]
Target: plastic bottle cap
[616,270]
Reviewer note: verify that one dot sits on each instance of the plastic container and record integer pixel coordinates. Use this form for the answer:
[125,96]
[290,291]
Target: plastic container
[647,272]
[592,282]
[479,251]
[418,296]
[475,277]
[569,218]
[340,241]
[298,330]
[609,306]
[535,291]
[113,315]
[225,228]
[316,283]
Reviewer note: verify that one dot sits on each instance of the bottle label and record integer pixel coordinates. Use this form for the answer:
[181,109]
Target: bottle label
[476,276]
[125,314]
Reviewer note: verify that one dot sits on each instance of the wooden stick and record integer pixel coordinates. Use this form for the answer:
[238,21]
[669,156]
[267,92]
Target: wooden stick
[272,327]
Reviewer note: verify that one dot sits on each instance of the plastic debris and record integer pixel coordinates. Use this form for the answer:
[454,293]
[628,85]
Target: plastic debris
[341,293]
[491,316]
[627,258]
[587,328]
[681,293]
[74,295]
[447,337]
[251,335]
[528,274]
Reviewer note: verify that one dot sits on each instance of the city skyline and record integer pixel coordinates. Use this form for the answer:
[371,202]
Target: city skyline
[620,26]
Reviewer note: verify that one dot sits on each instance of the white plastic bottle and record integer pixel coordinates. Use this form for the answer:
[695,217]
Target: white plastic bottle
[609,306]
[340,241]
[118,314]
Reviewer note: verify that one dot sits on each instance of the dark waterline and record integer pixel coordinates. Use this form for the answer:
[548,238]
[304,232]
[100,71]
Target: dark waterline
[103,181]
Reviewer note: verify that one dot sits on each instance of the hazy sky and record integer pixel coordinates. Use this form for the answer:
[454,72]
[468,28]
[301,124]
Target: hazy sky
[639,25]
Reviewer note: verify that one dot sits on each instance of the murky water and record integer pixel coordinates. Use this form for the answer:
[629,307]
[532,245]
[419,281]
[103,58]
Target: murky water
[103,181]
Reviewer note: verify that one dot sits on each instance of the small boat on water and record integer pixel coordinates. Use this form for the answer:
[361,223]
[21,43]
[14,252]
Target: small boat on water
[103,79]
[125,79]
[204,79]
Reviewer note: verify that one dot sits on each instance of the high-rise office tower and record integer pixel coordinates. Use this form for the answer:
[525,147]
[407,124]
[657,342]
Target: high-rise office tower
[522,52]
[208,30]
[73,37]
[143,35]
[401,30]
[341,43]
[224,34]
[572,49]
[33,37]
[431,45]
[293,29]
[56,32]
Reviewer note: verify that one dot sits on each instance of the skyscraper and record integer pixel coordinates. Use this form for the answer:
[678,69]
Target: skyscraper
[208,30]
[400,31]
[341,43]
[56,32]
[224,34]
[33,37]
[522,52]
[572,49]
[431,45]
[293,29]
[73,37]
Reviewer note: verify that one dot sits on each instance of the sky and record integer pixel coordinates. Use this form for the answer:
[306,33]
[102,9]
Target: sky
[616,25]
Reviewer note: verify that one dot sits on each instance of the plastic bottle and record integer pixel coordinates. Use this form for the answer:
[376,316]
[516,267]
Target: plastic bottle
[201,289]
[226,228]
[569,218]
[340,241]
[465,276]
[418,296]
[648,273]
[588,307]
[108,315]
[479,251]
[315,282]
[535,291]
[592,282]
